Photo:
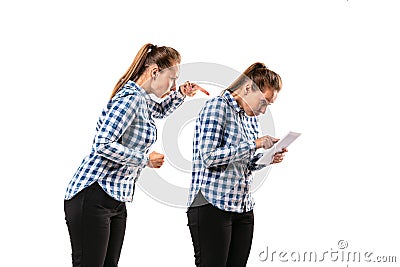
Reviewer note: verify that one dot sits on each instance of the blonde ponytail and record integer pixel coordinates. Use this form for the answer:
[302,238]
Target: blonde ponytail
[135,68]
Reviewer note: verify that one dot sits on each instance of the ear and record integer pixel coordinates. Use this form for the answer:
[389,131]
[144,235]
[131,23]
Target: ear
[154,72]
[247,88]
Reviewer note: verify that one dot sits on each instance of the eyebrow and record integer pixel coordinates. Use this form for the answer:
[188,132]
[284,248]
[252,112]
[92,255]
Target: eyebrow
[266,101]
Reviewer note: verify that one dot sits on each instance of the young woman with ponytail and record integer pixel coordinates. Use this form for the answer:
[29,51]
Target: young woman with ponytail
[95,199]
[220,213]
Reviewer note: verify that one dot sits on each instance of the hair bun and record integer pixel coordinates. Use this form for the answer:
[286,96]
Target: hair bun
[260,65]
[151,48]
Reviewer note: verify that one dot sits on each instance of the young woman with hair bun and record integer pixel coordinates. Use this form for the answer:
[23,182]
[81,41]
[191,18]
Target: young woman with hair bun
[220,212]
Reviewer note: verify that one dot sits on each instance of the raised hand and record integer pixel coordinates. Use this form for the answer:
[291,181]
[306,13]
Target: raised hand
[190,89]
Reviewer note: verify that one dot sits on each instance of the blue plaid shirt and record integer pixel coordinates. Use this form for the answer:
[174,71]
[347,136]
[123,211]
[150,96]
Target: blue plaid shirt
[223,147]
[124,133]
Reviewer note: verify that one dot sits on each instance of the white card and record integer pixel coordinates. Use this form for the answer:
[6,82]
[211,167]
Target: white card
[268,154]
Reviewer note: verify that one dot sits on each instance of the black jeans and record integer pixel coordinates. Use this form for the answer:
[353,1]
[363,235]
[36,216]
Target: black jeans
[96,224]
[220,238]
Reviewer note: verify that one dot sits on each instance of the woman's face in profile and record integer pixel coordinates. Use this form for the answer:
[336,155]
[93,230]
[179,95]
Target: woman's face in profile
[165,81]
[258,101]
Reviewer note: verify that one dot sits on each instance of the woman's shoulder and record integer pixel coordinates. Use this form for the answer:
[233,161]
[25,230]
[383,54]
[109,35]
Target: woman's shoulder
[129,89]
[126,97]
[217,102]
[215,107]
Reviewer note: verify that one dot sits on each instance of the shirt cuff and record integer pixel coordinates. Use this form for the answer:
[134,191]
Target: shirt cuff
[179,94]
[253,147]
[145,161]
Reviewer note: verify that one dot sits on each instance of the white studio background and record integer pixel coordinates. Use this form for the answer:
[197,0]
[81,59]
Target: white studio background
[339,61]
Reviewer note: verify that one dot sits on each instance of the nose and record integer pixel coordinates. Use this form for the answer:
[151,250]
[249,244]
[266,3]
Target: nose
[263,109]
[173,86]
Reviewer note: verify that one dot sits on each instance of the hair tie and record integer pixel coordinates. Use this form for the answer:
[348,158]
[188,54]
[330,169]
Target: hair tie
[151,48]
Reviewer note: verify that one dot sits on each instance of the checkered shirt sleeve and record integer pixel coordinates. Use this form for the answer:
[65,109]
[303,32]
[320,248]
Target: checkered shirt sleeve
[167,106]
[119,117]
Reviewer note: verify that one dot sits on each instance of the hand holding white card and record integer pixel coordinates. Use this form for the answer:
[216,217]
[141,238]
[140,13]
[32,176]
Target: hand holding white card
[268,154]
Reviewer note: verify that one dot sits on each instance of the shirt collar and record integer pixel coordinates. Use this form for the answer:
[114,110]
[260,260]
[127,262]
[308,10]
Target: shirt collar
[136,87]
[232,101]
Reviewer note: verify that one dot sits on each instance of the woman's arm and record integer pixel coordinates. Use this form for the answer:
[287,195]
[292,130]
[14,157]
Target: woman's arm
[213,129]
[167,106]
[120,115]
